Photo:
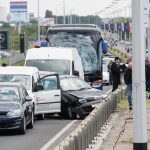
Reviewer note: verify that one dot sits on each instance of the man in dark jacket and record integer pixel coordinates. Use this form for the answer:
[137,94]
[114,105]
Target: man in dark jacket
[128,82]
[147,77]
[115,70]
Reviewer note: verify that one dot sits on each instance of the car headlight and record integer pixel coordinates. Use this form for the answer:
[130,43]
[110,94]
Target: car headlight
[82,101]
[14,113]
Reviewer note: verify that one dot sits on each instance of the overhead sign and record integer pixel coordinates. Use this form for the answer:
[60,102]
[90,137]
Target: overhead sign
[18,6]
[3,40]
[46,21]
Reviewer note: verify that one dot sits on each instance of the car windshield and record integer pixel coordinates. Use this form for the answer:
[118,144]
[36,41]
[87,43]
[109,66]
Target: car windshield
[73,84]
[24,79]
[60,66]
[9,93]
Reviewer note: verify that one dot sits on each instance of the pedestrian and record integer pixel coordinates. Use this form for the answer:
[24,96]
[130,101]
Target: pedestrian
[128,82]
[109,70]
[115,71]
[147,77]
[122,67]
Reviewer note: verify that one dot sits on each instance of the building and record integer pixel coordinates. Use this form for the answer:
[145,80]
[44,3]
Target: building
[3,14]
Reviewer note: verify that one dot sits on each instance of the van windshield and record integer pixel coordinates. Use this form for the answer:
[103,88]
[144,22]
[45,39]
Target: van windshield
[24,79]
[59,66]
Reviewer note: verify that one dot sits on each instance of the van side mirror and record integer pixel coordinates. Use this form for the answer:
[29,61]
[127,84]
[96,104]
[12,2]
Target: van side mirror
[28,99]
[76,73]
[38,88]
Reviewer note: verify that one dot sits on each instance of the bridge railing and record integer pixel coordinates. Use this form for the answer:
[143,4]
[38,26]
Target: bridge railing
[83,135]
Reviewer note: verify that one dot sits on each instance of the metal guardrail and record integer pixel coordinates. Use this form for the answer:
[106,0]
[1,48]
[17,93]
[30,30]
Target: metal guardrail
[83,135]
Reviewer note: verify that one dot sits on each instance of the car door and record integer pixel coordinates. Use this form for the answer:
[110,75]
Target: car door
[48,95]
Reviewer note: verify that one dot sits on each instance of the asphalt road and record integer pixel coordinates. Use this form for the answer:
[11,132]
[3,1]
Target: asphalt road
[43,131]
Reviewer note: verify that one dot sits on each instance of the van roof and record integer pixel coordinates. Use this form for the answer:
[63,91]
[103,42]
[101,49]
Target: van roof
[51,53]
[18,70]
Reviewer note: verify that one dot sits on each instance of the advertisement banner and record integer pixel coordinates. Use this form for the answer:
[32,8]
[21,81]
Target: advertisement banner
[46,21]
[122,27]
[115,27]
[3,40]
[18,6]
[129,27]
[125,27]
[107,27]
[118,26]
[112,27]
[17,17]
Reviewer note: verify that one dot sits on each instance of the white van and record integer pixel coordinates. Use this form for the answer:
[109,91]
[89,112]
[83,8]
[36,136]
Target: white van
[29,77]
[64,61]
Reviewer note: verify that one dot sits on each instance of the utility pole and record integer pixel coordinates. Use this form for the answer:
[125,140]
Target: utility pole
[138,77]
[64,11]
[38,24]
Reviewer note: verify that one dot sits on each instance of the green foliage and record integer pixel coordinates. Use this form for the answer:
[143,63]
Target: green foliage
[48,14]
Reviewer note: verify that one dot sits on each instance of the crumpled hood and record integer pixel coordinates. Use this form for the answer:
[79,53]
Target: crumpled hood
[89,94]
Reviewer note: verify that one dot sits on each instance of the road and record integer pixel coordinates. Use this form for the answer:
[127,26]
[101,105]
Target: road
[43,131]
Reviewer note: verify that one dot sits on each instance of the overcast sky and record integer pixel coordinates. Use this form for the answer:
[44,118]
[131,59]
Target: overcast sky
[81,7]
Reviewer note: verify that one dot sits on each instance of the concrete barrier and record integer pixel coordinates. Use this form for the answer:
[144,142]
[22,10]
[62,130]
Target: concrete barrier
[17,58]
[84,134]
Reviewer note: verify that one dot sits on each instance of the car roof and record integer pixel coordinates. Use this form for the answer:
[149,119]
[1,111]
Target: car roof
[24,70]
[10,84]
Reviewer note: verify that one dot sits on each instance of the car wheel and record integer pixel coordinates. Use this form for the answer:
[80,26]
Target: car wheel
[40,116]
[71,115]
[23,127]
[31,124]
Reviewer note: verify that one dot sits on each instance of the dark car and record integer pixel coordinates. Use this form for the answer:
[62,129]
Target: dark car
[78,97]
[16,108]
[69,96]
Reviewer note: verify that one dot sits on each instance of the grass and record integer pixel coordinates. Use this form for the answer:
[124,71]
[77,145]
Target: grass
[124,104]
[21,63]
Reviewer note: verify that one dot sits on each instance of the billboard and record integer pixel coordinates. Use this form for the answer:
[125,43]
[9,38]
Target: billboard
[17,17]
[46,21]
[3,40]
[18,6]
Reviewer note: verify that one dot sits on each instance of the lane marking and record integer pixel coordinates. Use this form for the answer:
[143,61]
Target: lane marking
[48,144]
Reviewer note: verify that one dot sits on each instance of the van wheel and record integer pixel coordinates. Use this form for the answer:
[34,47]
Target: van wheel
[40,116]
[71,115]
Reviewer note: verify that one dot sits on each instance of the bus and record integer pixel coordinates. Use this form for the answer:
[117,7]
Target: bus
[87,39]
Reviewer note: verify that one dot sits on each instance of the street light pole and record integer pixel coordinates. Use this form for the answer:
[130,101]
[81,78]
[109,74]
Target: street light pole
[138,77]
[38,24]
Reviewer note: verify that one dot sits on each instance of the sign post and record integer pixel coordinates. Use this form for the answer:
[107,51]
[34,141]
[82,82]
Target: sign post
[138,78]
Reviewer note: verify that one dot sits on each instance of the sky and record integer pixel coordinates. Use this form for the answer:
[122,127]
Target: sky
[81,7]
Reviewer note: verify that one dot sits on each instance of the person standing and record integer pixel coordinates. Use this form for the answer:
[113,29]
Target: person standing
[128,82]
[147,77]
[115,70]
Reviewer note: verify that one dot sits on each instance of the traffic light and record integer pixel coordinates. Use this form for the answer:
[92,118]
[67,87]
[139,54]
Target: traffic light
[22,43]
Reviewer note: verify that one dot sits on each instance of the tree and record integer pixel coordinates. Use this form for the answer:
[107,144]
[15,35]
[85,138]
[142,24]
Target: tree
[48,14]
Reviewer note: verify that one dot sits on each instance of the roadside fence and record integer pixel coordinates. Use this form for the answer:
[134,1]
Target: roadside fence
[83,135]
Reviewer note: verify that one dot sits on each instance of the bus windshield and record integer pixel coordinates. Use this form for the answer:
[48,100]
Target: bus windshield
[85,43]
